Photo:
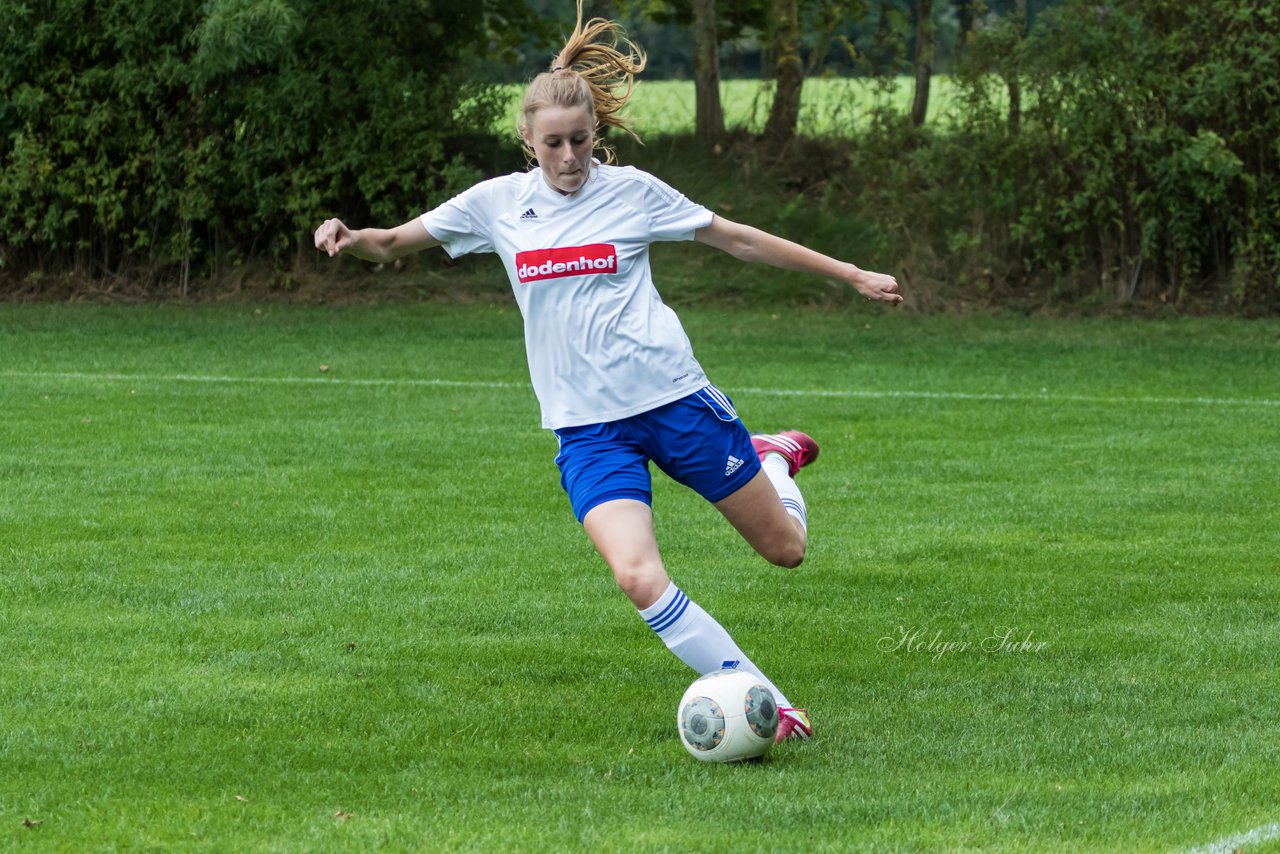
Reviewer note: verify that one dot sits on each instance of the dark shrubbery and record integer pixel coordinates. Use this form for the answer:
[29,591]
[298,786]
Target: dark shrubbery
[176,139]
[1143,163]
[168,138]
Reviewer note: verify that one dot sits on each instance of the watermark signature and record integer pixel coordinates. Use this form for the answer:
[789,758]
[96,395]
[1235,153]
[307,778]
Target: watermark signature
[918,640]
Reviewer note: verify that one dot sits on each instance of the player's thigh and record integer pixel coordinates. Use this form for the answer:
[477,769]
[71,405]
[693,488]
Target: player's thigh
[758,515]
[622,531]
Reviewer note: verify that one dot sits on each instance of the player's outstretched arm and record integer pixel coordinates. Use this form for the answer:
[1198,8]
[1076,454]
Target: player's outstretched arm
[751,244]
[374,244]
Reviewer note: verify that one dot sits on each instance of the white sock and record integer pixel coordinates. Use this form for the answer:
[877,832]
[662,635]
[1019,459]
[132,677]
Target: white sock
[697,639]
[779,473]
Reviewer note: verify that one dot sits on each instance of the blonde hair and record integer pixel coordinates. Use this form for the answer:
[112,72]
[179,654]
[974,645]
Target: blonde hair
[597,66]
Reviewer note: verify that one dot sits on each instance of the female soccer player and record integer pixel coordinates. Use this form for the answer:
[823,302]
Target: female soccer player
[611,365]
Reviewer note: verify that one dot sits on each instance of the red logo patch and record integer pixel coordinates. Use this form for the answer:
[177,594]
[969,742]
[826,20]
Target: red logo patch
[591,259]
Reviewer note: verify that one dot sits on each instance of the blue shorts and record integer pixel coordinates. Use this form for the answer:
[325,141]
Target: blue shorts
[698,441]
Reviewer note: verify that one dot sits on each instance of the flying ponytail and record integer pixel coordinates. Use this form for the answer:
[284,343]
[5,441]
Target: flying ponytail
[597,68]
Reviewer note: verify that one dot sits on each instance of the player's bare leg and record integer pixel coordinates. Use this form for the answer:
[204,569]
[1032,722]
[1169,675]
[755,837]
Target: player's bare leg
[769,511]
[759,516]
[770,514]
[622,531]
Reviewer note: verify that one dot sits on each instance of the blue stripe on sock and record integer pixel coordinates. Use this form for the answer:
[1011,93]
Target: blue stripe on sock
[675,618]
[797,507]
[674,603]
[668,617]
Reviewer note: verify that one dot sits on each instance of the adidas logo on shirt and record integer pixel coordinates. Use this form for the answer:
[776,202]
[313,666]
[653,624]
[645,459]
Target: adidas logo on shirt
[732,465]
[529,214]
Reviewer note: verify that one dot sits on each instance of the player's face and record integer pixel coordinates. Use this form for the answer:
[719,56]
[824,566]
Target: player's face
[562,139]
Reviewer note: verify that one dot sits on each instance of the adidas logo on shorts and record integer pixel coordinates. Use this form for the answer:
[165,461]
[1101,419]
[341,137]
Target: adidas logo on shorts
[732,465]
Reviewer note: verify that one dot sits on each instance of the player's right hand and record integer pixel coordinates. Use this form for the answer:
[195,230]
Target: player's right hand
[332,237]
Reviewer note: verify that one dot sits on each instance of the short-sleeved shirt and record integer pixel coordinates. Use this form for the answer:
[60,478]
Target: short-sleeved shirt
[601,343]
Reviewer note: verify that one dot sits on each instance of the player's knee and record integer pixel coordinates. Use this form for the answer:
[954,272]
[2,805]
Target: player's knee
[641,582]
[791,557]
[788,553]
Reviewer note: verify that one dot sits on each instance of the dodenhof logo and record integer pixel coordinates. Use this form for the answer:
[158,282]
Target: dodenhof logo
[538,264]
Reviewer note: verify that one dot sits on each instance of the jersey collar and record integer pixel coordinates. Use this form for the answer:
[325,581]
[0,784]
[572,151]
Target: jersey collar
[560,198]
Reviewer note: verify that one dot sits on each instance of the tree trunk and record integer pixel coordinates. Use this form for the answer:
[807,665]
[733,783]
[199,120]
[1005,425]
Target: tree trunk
[884,52]
[186,257]
[784,29]
[965,15]
[1019,24]
[924,60]
[709,119]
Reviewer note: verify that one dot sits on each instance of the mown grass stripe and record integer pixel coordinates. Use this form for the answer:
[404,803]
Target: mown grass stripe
[870,394]
[203,378]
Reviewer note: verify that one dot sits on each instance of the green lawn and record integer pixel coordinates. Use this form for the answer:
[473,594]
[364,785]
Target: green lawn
[834,106]
[247,604]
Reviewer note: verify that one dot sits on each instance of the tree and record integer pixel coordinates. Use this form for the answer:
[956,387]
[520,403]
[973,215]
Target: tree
[923,60]
[966,14]
[711,25]
[886,50]
[709,123]
[1018,23]
[829,27]
[788,70]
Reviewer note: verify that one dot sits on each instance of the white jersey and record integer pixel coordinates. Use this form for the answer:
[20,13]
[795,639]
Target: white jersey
[601,343]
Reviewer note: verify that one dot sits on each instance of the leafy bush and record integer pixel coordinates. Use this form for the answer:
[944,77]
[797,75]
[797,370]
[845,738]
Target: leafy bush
[177,134]
[1142,162]
[178,138]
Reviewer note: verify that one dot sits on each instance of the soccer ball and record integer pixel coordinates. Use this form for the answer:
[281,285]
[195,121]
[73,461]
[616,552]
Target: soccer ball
[726,716]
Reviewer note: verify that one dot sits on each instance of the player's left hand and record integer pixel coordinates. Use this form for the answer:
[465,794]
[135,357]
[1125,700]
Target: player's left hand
[877,286]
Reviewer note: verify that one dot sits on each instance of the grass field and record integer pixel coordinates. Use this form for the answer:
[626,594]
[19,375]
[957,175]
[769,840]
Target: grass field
[250,604]
[829,107]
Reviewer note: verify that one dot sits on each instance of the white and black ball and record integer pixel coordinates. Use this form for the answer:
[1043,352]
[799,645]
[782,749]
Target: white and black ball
[727,716]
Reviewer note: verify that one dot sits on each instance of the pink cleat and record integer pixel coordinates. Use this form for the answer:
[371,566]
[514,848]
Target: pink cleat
[797,448]
[793,723]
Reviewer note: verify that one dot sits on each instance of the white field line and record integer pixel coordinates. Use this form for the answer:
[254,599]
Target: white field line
[204,378]
[1015,397]
[1241,841]
[864,394]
